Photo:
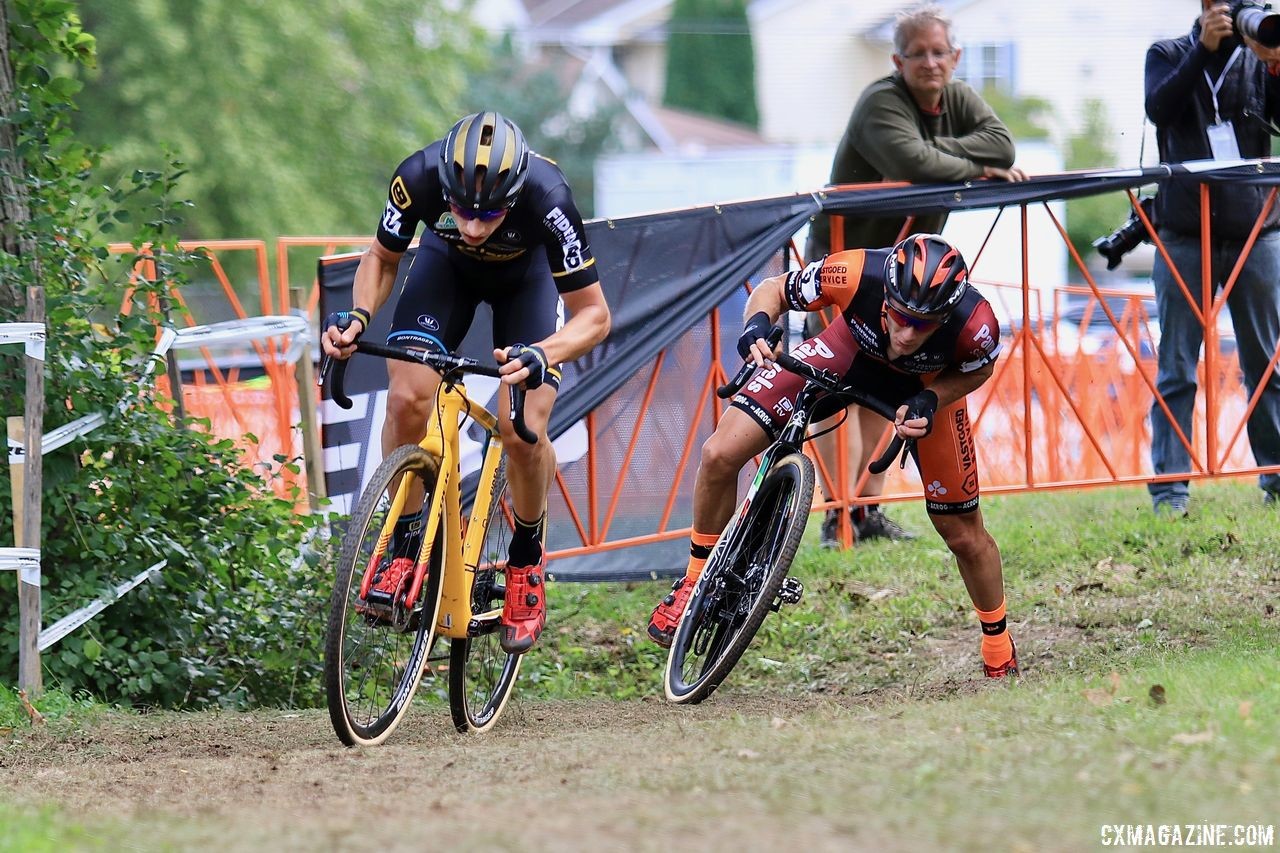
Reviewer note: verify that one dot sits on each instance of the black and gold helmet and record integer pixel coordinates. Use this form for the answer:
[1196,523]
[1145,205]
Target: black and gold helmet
[925,277]
[483,162]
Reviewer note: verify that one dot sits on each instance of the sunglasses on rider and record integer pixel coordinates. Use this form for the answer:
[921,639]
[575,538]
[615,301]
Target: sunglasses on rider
[917,323]
[482,215]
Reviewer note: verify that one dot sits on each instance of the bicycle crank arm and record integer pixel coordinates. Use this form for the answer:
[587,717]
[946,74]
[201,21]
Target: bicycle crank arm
[484,623]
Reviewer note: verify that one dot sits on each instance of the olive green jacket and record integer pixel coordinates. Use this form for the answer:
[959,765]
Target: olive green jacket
[890,138]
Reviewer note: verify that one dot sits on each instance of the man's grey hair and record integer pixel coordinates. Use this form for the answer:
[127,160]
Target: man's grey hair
[911,21]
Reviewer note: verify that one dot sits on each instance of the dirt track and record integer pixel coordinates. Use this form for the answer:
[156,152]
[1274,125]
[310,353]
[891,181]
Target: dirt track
[564,776]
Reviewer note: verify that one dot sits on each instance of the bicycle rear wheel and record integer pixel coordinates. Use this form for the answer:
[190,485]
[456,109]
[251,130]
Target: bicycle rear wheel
[740,582]
[374,657]
[481,674]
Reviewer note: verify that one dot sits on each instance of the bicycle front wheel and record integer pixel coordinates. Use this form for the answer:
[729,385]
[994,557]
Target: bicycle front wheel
[481,674]
[376,651]
[740,582]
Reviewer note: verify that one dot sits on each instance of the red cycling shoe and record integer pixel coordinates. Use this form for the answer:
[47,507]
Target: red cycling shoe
[666,616]
[524,611]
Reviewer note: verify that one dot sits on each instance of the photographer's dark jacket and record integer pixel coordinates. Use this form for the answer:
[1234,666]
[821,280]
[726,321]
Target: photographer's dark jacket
[1179,103]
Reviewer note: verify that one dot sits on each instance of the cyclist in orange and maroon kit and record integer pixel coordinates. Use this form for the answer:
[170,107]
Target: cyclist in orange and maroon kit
[915,335]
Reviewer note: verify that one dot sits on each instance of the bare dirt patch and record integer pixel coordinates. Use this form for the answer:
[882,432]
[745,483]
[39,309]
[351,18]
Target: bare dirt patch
[553,775]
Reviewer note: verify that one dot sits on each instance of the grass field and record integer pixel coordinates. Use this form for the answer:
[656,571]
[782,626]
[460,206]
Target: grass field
[1151,695]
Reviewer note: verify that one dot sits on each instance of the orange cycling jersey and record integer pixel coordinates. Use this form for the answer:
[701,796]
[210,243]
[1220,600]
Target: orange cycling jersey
[856,347]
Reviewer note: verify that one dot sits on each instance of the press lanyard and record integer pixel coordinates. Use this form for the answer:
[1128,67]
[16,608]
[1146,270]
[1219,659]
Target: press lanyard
[1214,87]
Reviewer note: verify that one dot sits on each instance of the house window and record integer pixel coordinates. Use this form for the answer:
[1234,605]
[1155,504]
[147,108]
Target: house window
[983,65]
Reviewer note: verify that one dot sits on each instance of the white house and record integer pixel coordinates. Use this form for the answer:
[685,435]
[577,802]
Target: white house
[813,57]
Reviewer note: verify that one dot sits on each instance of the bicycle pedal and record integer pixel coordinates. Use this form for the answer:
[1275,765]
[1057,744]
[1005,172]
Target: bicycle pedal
[790,593]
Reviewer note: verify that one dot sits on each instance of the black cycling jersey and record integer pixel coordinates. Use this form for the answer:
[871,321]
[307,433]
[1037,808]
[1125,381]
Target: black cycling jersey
[544,215]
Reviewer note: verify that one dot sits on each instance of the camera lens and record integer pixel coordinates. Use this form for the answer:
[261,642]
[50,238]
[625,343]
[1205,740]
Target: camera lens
[1258,24]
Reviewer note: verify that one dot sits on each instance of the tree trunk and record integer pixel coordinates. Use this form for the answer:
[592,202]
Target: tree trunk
[15,209]
[16,239]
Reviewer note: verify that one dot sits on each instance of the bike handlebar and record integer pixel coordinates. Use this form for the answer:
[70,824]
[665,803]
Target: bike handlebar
[829,382]
[443,362]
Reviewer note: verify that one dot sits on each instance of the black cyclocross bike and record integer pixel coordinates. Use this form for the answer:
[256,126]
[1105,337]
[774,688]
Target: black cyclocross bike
[745,576]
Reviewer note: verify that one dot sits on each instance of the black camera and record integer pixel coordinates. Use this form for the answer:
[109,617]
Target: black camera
[1256,20]
[1126,238]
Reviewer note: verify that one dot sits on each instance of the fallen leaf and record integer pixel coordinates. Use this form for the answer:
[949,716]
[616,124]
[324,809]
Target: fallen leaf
[1157,694]
[1190,738]
[777,722]
[1088,586]
[1115,682]
[1245,709]
[857,590]
[37,719]
[748,754]
[1097,696]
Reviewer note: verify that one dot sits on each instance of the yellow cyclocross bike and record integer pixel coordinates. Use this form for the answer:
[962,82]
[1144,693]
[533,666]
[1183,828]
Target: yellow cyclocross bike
[381,634]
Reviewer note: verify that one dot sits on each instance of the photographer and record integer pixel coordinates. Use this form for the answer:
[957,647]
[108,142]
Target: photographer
[1210,95]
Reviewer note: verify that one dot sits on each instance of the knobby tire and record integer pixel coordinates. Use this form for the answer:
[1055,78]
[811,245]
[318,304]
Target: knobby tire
[740,582]
[371,668]
[482,675]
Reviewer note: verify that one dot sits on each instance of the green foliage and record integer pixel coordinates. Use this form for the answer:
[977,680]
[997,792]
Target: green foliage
[710,62]
[536,99]
[1083,568]
[291,115]
[232,620]
[1025,116]
[1093,216]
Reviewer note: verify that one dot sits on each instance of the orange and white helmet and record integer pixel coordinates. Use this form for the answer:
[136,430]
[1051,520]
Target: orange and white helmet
[925,277]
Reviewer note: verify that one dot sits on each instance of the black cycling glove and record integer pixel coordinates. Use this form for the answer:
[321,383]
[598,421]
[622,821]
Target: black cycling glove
[342,319]
[533,358]
[922,405]
[757,327]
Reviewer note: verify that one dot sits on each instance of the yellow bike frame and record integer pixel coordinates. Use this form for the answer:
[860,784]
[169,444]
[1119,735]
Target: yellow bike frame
[460,559]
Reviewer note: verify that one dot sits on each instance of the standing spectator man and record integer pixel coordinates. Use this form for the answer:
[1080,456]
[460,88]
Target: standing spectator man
[915,125]
[1210,95]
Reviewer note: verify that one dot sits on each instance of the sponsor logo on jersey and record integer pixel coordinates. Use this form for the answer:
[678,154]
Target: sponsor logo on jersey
[964,439]
[399,194]
[865,336]
[428,322]
[984,338]
[836,275]
[392,221]
[446,222]
[570,242]
[511,235]
[811,348]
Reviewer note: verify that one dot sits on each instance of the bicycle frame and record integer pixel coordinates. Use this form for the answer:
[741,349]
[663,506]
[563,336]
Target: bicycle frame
[443,440]
[792,437]
[790,440]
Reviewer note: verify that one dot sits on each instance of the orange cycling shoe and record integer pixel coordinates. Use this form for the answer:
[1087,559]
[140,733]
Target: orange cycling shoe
[666,616]
[1009,667]
[524,611]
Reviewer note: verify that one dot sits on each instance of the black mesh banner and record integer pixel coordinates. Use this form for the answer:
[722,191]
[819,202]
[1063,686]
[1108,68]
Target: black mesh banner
[620,431]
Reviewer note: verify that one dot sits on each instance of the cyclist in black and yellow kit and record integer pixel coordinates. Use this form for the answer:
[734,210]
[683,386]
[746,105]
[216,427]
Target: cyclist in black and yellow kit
[502,228]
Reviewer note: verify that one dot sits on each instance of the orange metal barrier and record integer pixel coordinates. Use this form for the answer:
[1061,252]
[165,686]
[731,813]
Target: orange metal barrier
[1067,406]
[264,407]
